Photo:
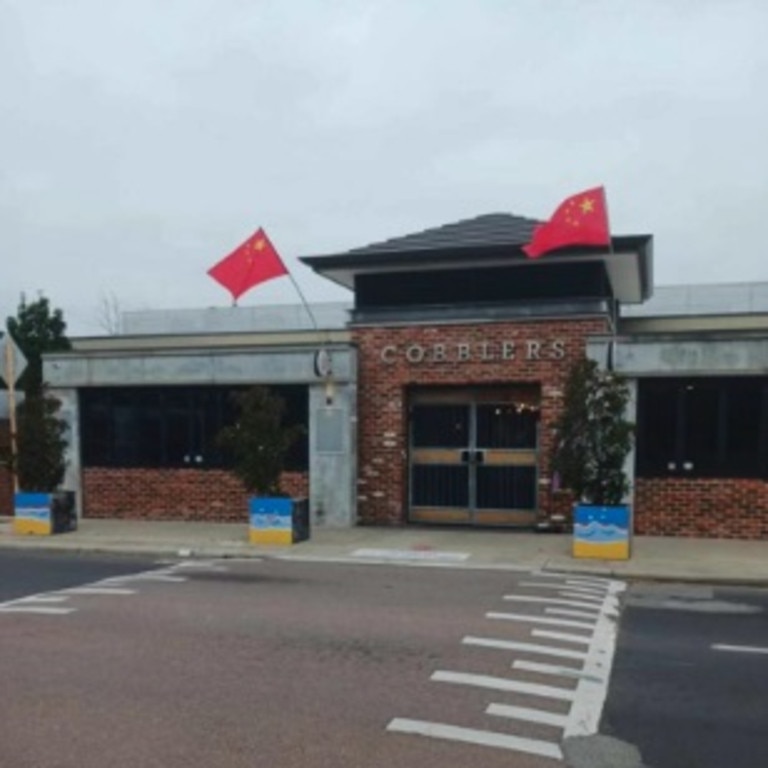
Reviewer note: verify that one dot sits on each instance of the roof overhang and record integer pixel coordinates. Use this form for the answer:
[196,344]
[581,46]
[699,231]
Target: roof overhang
[628,263]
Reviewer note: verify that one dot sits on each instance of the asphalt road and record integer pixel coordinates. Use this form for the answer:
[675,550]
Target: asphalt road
[258,664]
[119,662]
[24,573]
[684,703]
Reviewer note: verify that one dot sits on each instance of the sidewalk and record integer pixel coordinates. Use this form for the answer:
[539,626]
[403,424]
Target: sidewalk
[671,559]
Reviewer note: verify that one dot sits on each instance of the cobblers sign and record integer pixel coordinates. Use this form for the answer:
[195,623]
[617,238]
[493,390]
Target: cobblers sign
[465,352]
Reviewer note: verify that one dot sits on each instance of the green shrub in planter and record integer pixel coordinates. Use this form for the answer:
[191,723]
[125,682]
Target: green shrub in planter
[592,444]
[259,443]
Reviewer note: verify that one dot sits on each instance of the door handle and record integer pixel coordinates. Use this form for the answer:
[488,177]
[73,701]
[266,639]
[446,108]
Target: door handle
[465,456]
[479,457]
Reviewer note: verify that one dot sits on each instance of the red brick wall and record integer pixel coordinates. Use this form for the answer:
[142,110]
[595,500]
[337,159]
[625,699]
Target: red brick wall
[712,508]
[382,421]
[173,494]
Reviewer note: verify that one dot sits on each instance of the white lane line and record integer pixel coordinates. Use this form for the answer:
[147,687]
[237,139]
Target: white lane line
[739,648]
[40,599]
[549,575]
[527,714]
[585,591]
[504,684]
[579,591]
[592,689]
[569,612]
[553,669]
[98,591]
[163,577]
[412,554]
[198,564]
[550,601]
[584,582]
[539,620]
[511,645]
[474,736]
[596,599]
[566,637]
[41,609]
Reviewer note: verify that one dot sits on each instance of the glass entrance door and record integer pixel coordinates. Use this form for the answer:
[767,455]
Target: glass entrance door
[473,462]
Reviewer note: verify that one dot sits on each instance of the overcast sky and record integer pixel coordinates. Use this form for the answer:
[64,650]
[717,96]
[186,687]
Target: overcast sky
[142,140]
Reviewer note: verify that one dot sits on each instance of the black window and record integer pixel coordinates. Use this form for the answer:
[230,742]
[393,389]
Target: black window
[506,426]
[440,426]
[470,287]
[711,427]
[172,426]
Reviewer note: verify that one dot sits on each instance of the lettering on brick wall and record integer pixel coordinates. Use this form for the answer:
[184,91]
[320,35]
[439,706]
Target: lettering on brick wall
[464,352]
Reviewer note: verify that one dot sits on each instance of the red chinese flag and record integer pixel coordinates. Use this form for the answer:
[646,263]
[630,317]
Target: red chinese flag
[582,219]
[253,262]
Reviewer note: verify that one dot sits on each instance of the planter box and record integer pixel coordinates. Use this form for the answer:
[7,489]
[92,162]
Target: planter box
[602,532]
[278,521]
[43,514]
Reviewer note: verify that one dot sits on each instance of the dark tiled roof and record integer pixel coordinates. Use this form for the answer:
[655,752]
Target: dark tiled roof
[490,229]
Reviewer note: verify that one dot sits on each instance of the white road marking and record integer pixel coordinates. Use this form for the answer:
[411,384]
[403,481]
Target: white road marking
[41,609]
[566,637]
[41,599]
[573,577]
[511,645]
[589,583]
[539,620]
[112,586]
[412,554]
[739,648]
[585,591]
[591,690]
[552,669]
[149,576]
[550,601]
[474,736]
[504,684]
[198,564]
[577,591]
[210,566]
[527,714]
[596,599]
[569,612]
[585,582]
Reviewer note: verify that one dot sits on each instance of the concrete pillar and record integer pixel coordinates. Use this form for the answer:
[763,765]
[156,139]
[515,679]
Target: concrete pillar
[333,455]
[69,411]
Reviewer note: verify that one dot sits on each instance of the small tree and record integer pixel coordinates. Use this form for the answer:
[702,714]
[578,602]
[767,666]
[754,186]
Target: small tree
[41,444]
[37,329]
[593,437]
[259,441]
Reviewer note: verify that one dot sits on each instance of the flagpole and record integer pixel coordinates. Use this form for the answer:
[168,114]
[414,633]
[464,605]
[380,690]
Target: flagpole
[304,302]
[612,254]
[323,358]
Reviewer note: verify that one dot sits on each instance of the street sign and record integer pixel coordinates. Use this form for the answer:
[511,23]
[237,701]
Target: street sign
[12,360]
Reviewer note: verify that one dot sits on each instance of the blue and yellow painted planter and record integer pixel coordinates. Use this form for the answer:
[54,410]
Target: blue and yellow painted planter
[42,514]
[602,532]
[32,514]
[278,521]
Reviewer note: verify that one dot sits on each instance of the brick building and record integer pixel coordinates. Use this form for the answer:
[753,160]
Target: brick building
[446,378]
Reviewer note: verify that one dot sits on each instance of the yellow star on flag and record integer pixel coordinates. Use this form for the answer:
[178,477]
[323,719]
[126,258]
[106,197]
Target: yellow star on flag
[587,205]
